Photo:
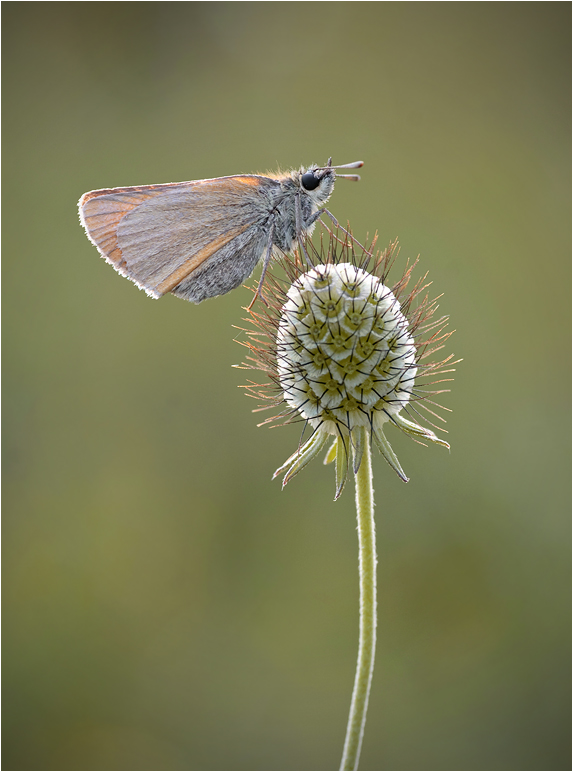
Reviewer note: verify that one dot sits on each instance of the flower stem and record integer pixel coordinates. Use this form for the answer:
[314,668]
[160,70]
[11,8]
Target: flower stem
[367,638]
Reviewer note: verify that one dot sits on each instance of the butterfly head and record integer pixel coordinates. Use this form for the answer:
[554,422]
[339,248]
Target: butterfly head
[318,181]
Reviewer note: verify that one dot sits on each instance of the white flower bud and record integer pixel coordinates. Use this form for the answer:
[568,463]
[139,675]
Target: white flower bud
[345,355]
[338,349]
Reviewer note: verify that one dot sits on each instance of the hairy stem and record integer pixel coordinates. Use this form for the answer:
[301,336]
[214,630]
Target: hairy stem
[367,637]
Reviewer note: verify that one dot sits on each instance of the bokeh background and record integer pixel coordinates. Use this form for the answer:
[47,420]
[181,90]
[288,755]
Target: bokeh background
[166,606]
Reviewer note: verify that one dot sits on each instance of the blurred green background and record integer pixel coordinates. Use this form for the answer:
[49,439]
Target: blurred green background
[166,606]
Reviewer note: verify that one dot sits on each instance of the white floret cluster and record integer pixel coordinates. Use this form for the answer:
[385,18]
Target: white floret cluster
[345,355]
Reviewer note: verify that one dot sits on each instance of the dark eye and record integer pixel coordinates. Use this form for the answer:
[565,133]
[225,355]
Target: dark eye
[309,181]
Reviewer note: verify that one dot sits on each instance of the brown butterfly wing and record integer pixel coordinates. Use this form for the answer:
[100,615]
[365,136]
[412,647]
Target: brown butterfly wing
[159,235]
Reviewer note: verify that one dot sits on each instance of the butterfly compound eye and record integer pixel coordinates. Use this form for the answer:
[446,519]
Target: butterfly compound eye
[309,181]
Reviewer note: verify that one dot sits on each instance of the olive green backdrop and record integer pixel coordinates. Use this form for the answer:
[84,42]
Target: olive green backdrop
[166,606]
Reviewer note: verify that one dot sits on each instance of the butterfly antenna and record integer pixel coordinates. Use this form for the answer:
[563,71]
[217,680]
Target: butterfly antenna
[353,177]
[354,165]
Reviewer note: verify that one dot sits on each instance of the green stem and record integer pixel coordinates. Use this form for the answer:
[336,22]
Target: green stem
[367,640]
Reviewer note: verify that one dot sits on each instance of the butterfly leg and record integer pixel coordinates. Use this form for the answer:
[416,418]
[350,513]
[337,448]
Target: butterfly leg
[266,261]
[298,227]
[338,225]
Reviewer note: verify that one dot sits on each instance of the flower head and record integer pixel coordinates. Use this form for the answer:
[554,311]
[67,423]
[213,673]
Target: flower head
[342,351]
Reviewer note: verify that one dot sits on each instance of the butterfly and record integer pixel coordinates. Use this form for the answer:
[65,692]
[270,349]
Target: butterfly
[203,238]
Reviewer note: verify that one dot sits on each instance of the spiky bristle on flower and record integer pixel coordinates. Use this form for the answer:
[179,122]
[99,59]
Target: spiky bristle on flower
[342,350]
